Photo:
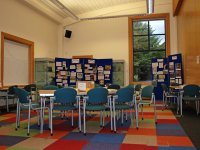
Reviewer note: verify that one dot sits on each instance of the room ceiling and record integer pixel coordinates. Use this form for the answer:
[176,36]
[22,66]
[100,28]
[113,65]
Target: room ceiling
[59,10]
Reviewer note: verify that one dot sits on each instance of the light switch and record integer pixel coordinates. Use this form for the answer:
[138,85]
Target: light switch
[198,59]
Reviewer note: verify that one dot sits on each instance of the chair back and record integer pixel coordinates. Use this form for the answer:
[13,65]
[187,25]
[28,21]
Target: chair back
[131,86]
[114,86]
[97,95]
[11,90]
[191,90]
[65,95]
[50,87]
[30,87]
[22,95]
[138,87]
[125,94]
[164,87]
[147,91]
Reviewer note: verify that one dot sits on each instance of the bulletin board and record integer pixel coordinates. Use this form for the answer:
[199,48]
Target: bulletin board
[69,71]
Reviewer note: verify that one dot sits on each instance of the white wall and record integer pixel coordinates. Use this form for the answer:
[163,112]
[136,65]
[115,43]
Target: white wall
[101,38]
[19,19]
[108,38]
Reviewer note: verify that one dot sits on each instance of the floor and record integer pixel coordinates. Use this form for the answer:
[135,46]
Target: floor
[167,134]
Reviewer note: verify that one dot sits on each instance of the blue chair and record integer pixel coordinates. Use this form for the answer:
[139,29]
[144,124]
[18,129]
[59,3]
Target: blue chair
[191,93]
[147,97]
[131,86]
[65,100]
[24,103]
[124,100]
[96,100]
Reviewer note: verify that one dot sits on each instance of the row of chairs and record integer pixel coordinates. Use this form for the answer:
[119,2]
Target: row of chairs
[189,93]
[97,99]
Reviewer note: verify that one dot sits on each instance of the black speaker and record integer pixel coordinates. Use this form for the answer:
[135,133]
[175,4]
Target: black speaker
[68,33]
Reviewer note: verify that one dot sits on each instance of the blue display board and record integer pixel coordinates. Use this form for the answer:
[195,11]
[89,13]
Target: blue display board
[175,69]
[159,75]
[166,70]
[104,71]
[68,71]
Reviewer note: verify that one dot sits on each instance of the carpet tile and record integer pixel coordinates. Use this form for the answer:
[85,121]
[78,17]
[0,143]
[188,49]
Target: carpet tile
[167,134]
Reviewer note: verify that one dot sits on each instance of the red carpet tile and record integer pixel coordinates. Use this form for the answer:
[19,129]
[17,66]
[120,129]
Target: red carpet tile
[69,145]
[137,147]
[142,131]
[174,141]
[167,121]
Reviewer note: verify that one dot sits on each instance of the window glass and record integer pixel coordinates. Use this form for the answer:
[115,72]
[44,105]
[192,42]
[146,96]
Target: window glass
[148,42]
[157,26]
[140,27]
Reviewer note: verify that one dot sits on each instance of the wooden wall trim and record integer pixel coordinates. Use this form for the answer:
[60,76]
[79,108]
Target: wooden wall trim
[177,6]
[30,44]
[165,16]
[82,56]
[130,44]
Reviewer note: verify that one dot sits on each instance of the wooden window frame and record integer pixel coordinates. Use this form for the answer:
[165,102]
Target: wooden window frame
[30,44]
[164,16]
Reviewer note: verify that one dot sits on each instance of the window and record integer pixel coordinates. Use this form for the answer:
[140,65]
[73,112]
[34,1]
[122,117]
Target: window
[148,38]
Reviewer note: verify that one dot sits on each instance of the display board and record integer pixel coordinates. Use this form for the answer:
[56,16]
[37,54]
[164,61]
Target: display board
[159,75]
[166,70]
[69,71]
[175,69]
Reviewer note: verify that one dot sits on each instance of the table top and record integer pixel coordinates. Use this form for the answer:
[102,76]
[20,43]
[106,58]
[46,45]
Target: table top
[179,87]
[50,93]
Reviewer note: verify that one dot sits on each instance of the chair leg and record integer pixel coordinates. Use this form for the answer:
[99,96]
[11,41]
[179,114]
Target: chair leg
[114,118]
[72,118]
[111,117]
[163,102]
[7,103]
[197,107]
[17,116]
[51,118]
[84,125]
[136,115]
[155,116]
[79,115]
[49,113]
[29,118]
[126,116]
[178,105]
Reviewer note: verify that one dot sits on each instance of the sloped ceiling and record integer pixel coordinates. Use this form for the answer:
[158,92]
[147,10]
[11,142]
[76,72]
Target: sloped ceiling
[84,9]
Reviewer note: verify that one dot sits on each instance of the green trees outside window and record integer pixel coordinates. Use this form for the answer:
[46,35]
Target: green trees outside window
[148,42]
